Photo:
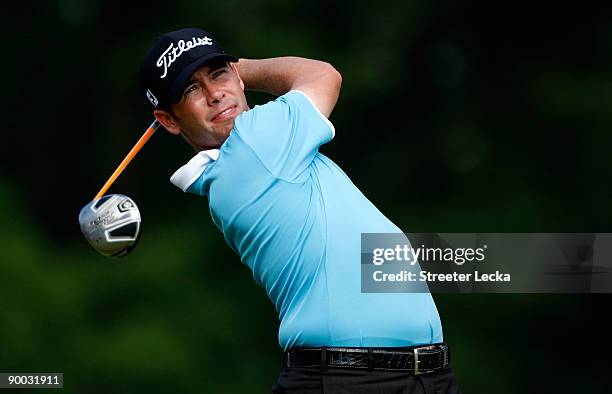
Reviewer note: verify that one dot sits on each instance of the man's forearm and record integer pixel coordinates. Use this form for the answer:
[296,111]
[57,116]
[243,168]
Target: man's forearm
[280,74]
[318,80]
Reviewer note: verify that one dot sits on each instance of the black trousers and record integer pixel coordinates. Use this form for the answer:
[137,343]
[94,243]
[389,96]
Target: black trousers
[311,380]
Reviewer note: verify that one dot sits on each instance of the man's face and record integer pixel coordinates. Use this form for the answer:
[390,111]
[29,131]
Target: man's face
[213,97]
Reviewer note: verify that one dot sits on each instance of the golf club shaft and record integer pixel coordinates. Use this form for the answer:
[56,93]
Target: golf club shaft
[137,147]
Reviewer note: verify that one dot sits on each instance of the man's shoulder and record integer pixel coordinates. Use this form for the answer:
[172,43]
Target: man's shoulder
[287,110]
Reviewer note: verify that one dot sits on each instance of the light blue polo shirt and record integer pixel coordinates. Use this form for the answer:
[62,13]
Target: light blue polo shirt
[295,219]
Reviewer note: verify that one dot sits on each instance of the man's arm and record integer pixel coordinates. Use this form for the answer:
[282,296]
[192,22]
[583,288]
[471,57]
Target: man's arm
[319,80]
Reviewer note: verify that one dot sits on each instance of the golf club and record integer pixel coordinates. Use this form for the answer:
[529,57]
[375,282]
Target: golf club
[111,224]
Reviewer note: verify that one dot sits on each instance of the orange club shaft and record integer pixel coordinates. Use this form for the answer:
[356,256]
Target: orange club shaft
[128,158]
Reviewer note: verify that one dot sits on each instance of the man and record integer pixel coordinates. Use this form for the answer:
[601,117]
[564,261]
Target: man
[294,218]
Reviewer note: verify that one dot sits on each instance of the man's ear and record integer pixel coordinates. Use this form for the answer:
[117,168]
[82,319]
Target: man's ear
[167,120]
[233,66]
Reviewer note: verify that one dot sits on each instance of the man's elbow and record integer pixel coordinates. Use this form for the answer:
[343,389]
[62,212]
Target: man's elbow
[331,86]
[334,76]
[322,86]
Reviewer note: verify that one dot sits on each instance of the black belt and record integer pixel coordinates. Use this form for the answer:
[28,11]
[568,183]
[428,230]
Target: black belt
[416,360]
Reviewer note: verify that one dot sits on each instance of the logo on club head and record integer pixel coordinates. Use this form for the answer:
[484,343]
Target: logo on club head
[126,205]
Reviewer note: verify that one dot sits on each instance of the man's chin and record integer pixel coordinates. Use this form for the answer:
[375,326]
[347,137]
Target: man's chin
[229,128]
[226,130]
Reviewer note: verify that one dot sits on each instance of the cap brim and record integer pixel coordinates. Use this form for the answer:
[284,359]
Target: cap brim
[178,85]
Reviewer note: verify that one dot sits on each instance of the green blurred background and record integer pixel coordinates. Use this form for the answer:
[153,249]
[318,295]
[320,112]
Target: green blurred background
[469,116]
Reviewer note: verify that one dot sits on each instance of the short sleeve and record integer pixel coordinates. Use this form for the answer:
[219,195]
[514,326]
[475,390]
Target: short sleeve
[285,133]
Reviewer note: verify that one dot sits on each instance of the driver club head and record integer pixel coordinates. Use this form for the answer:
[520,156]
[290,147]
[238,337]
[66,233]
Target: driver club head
[111,224]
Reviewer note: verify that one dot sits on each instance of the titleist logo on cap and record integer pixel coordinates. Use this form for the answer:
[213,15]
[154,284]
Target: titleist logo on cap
[173,52]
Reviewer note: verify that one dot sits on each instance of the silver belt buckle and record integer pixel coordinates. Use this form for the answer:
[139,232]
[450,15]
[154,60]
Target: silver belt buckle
[416,361]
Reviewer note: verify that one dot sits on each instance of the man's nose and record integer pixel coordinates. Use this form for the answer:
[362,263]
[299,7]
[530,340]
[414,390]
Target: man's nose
[214,94]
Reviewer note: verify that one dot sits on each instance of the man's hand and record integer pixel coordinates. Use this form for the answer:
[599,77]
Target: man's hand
[318,80]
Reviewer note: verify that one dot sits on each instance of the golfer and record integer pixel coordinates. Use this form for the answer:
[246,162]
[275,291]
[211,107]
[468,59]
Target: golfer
[293,216]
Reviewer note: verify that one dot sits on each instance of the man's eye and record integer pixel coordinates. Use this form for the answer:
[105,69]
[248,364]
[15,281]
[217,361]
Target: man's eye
[218,73]
[190,89]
